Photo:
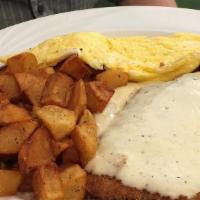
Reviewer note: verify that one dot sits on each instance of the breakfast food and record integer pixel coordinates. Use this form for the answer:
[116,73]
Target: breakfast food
[143,58]
[156,140]
[47,133]
[71,122]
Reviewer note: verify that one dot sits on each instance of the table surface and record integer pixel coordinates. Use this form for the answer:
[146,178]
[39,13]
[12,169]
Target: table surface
[194,4]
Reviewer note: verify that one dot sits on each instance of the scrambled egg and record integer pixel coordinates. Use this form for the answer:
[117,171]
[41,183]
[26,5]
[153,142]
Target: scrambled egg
[159,58]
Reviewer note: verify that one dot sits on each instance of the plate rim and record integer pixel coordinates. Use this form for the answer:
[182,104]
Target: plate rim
[19,33]
[77,12]
[99,8]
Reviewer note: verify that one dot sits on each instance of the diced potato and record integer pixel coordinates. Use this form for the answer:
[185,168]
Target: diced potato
[31,85]
[61,145]
[78,101]
[57,90]
[70,156]
[76,68]
[9,86]
[10,181]
[10,113]
[59,121]
[14,135]
[74,180]
[85,137]
[44,72]
[113,78]
[22,63]
[36,151]
[47,184]
[98,95]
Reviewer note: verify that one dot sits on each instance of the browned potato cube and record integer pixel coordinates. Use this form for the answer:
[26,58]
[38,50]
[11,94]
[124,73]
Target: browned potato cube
[88,119]
[44,72]
[14,135]
[9,86]
[10,181]
[47,184]
[22,63]
[76,68]
[70,156]
[85,137]
[36,151]
[61,145]
[57,90]
[60,121]
[74,180]
[31,85]
[9,113]
[78,101]
[98,95]
[113,78]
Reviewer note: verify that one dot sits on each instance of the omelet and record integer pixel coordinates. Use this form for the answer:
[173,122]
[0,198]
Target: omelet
[159,58]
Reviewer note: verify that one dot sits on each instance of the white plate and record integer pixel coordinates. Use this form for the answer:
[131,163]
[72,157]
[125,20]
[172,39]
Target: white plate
[117,21]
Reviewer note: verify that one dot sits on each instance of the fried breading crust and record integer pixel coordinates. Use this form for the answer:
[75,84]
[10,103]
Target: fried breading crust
[105,188]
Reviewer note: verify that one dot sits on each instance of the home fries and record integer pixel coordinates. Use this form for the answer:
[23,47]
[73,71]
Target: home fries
[86,115]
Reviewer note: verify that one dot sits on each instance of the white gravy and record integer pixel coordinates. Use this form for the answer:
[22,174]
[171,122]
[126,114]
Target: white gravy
[116,104]
[154,143]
